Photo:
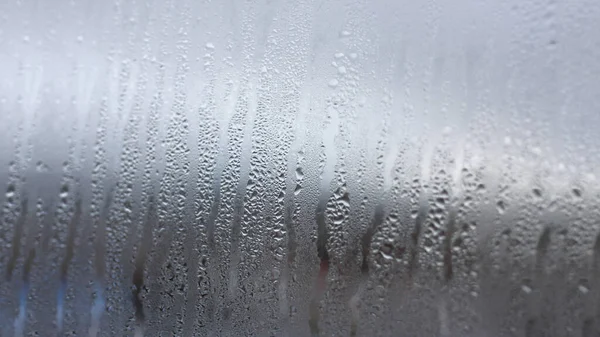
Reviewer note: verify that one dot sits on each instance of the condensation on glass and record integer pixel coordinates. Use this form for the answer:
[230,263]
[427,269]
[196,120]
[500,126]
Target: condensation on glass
[299,167]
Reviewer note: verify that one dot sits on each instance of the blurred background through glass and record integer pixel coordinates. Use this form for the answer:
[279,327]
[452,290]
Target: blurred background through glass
[299,167]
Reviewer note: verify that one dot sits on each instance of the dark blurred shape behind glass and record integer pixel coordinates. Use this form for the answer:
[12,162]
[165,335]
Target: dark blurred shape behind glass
[300,168]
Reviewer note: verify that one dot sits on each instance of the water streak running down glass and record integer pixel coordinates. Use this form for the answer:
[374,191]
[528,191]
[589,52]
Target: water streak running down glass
[300,168]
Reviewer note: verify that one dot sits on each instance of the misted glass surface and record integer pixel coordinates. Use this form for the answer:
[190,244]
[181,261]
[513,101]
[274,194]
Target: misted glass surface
[300,168]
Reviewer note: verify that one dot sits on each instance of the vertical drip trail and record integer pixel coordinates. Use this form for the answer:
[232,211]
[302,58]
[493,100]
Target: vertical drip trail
[292,56]
[240,148]
[191,258]
[327,165]
[232,171]
[539,275]
[448,269]
[366,240]
[60,304]
[99,263]
[448,273]
[16,242]
[64,267]
[447,249]
[167,254]
[210,232]
[132,162]
[321,281]
[592,325]
[286,265]
[208,149]
[140,262]
[101,199]
[154,164]
[415,236]
[20,319]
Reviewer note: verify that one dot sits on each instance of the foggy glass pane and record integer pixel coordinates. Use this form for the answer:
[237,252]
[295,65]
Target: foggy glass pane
[300,168]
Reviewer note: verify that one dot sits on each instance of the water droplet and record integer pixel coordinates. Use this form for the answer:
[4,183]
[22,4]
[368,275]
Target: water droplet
[500,206]
[209,45]
[342,70]
[10,191]
[333,83]
[64,191]
[299,173]
[428,243]
[386,251]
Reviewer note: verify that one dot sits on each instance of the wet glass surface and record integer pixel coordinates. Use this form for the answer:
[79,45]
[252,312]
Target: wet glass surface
[299,168]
